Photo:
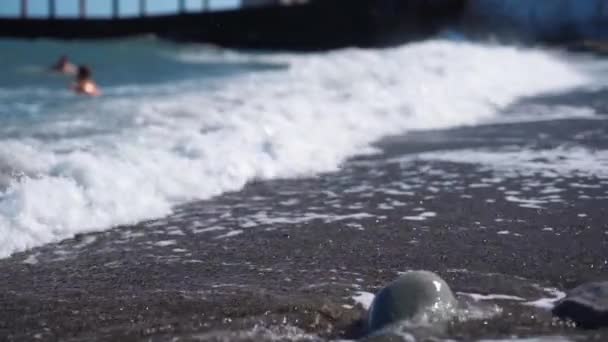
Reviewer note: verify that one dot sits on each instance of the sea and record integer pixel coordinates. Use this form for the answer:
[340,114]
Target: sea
[491,158]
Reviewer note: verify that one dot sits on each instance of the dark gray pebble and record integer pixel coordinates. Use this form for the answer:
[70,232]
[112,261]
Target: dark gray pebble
[586,305]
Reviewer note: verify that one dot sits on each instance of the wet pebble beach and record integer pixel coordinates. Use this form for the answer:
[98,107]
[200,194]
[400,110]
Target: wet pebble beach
[511,215]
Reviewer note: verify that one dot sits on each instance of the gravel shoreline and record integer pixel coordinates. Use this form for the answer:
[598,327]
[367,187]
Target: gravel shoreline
[283,259]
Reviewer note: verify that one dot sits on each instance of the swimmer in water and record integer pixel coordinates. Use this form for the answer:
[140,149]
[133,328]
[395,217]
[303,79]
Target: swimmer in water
[64,66]
[84,82]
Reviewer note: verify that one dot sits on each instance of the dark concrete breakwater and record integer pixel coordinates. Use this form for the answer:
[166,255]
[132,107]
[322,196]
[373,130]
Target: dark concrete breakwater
[298,260]
[308,25]
[328,24]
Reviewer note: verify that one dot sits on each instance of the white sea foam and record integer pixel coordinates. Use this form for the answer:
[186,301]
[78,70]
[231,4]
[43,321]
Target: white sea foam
[533,339]
[420,217]
[547,302]
[165,243]
[123,158]
[481,297]
[552,163]
[364,298]
[229,234]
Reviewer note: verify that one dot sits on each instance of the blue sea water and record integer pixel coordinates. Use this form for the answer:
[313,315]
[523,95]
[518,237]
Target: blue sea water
[178,123]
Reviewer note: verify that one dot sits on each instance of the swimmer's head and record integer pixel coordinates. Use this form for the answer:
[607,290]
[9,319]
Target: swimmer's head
[84,72]
[62,63]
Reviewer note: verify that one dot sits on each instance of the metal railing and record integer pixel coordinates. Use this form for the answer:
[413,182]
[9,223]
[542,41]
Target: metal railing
[116,8]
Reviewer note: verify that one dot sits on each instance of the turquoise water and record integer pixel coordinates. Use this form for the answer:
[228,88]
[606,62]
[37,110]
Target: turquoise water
[31,93]
[114,62]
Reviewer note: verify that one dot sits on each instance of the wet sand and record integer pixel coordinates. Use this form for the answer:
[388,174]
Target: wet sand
[283,259]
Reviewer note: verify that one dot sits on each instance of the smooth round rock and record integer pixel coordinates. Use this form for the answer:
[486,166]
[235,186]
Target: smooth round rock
[414,295]
[586,305]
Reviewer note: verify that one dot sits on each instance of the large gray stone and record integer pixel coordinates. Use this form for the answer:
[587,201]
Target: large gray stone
[586,305]
[416,295]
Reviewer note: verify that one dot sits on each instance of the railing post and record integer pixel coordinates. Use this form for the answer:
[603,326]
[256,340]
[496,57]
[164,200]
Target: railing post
[115,9]
[52,11]
[182,6]
[82,6]
[23,9]
[142,8]
[205,5]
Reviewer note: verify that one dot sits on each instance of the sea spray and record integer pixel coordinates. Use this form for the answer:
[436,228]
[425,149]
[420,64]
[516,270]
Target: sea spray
[83,165]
